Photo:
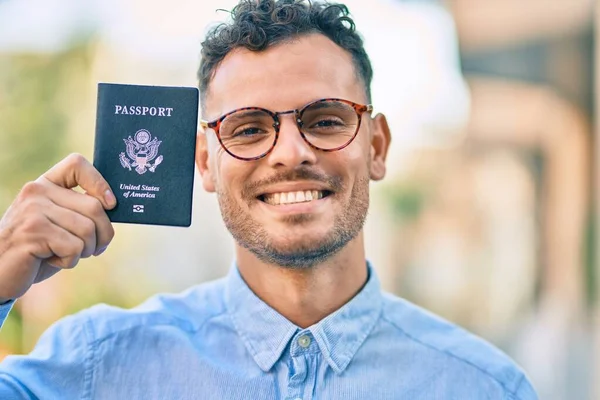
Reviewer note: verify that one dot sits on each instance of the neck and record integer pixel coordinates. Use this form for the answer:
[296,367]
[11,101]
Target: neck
[306,296]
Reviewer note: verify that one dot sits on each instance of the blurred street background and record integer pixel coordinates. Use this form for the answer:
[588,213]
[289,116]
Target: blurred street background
[487,216]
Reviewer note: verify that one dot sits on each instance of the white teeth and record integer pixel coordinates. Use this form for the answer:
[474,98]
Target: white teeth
[292,197]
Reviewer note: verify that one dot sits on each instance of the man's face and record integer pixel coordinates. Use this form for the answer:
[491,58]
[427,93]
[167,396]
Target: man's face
[289,76]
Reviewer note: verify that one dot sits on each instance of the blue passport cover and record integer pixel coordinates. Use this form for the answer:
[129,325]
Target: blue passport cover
[145,147]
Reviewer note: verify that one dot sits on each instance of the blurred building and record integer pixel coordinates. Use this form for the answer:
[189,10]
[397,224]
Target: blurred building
[495,230]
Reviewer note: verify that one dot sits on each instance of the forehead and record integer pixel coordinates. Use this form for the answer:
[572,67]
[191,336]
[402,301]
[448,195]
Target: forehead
[284,76]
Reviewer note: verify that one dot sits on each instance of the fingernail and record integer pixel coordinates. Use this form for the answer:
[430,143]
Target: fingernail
[100,251]
[110,198]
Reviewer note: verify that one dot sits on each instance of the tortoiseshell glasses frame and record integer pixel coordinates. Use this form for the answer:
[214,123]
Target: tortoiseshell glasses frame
[359,109]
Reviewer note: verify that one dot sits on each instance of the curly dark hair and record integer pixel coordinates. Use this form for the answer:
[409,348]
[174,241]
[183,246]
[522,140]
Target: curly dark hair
[257,25]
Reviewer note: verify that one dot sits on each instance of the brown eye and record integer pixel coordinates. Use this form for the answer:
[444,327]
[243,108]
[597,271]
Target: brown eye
[248,132]
[328,122]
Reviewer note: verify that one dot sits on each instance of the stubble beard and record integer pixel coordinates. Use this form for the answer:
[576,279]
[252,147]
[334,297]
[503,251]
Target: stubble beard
[298,254]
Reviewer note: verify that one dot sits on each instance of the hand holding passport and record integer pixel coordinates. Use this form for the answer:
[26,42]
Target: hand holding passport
[144,150]
[145,147]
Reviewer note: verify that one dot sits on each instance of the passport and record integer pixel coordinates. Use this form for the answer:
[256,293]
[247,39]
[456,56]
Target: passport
[145,147]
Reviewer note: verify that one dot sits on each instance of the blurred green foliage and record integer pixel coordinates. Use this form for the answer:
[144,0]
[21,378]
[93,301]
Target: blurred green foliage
[407,199]
[34,130]
[33,114]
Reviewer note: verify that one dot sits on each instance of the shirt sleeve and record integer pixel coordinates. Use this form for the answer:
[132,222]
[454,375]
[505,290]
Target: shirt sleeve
[4,310]
[525,391]
[59,367]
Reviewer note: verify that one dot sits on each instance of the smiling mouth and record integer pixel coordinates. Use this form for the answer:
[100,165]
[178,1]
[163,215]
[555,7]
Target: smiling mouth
[301,196]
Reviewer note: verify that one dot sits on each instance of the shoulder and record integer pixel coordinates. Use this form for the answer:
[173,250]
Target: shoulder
[186,311]
[453,343]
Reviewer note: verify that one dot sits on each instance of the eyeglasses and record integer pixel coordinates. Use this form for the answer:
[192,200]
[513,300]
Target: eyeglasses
[250,133]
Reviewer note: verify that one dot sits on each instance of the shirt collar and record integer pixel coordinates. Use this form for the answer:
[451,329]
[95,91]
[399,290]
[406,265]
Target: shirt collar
[266,333]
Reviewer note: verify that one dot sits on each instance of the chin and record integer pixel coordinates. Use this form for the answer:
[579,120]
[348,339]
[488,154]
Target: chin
[301,234]
[297,255]
[303,226]
[296,245]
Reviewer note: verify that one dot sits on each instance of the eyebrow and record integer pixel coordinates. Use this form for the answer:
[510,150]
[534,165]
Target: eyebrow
[327,104]
[240,114]
[246,114]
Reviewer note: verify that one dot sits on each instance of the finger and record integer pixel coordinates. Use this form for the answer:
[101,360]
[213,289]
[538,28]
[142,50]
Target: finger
[46,271]
[75,170]
[65,246]
[76,224]
[87,206]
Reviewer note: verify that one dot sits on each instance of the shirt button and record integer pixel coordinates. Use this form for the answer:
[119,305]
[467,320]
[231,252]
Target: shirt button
[304,341]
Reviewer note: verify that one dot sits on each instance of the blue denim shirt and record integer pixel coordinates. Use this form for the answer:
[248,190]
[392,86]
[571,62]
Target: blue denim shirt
[220,341]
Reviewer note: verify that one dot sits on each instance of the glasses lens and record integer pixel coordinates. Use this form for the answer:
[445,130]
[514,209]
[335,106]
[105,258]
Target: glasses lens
[329,124]
[248,133]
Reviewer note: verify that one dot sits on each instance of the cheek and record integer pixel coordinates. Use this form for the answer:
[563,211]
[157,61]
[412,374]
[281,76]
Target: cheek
[355,170]
[355,158]
[219,161]
[365,144]
[231,175]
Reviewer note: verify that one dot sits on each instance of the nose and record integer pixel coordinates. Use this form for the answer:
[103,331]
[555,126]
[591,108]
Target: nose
[291,149]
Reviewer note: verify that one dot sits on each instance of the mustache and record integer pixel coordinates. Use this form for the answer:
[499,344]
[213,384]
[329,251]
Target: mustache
[333,183]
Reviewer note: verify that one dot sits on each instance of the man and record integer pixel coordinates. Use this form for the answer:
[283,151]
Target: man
[289,144]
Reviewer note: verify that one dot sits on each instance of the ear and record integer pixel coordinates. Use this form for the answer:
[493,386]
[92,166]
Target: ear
[380,143]
[202,161]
